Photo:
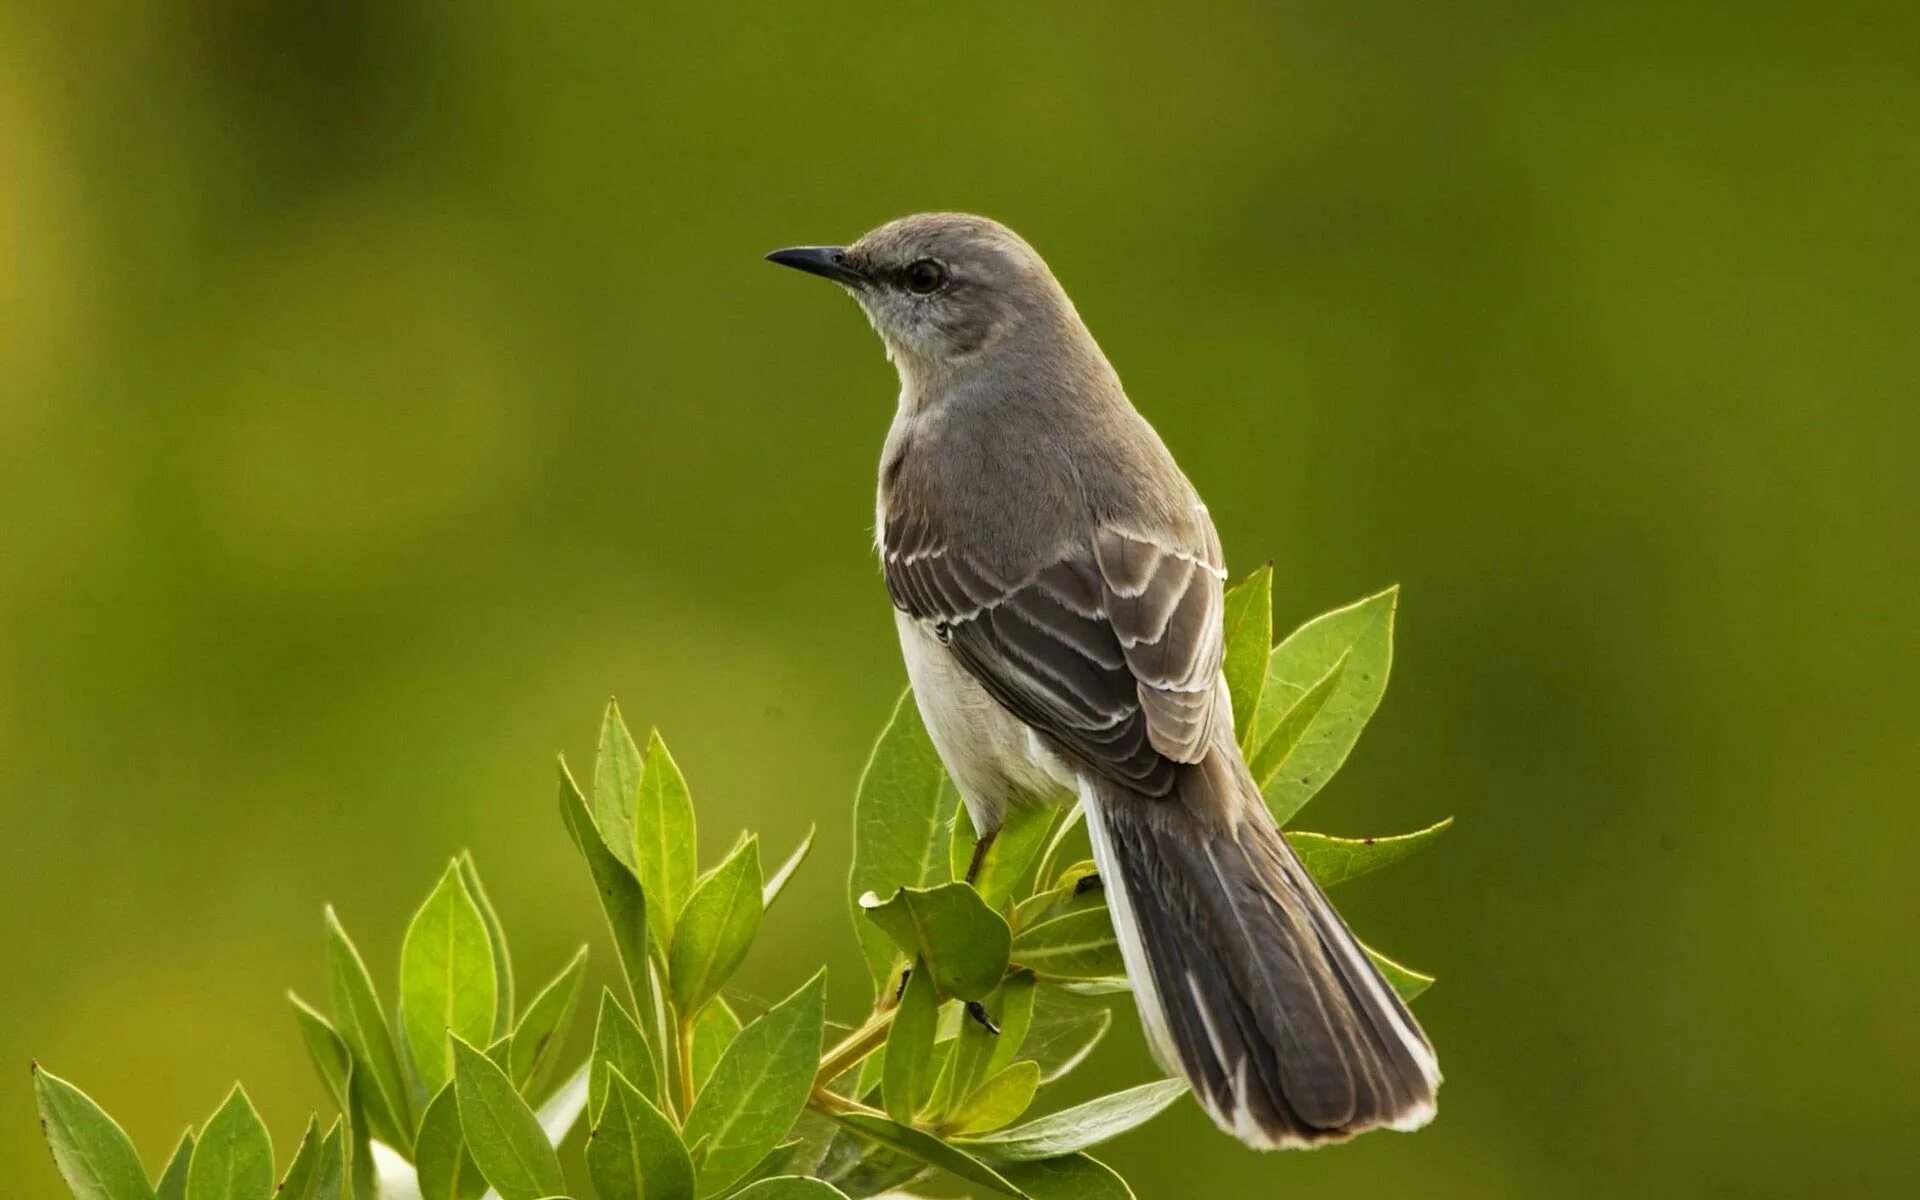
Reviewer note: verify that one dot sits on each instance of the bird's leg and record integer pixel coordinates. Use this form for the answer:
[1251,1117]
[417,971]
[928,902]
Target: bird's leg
[980,854]
[978,1012]
[901,989]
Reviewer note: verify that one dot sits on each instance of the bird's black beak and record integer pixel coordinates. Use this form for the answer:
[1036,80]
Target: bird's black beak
[828,262]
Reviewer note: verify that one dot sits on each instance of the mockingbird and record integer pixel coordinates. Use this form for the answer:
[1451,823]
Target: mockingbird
[1057,587]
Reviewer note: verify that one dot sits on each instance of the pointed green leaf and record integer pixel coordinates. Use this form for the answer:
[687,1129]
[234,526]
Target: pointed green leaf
[1074,1129]
[1064,1029]
[790,1187]
[926,1148]
[634,1153]
[536,1039]
[362,1023]
[233,1156]
[1012,1009]
[1075,1177]
[356,1138]
[446,979]
[778,883]
[501,1132]
[979,1054]
[1079,944]
[497,938]
[618,1045]
[440,1158]
[297,1183]
[562,1110]
[758,1087]
[998,1101]
[716,928]
[326,1047]
[330,1180]
[1247,619]
[1405,981]
[713,1031]
[1023,831]
[665,842]
[963,942]
[902,826]
[1362,634]
[616,784]
[92,1152]
[1332,860]
[907,1082]
[621,899]
[172,1183]
[1268,759]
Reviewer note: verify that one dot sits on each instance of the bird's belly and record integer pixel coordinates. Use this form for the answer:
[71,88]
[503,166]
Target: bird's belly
[993,757]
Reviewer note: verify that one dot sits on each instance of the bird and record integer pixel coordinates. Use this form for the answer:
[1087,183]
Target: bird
[1057,590]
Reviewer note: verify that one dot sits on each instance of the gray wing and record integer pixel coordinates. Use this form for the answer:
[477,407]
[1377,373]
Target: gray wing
[1112,650]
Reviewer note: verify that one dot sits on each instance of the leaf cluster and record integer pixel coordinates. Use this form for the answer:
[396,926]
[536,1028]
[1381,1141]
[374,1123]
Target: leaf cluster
[990,976]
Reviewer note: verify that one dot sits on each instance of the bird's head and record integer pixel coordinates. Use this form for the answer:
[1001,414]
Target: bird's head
[943,290]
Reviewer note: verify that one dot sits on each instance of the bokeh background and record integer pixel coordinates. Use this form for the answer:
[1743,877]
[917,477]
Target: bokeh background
[382,385]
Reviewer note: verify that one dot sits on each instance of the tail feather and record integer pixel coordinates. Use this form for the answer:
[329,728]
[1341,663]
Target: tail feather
[1247,980]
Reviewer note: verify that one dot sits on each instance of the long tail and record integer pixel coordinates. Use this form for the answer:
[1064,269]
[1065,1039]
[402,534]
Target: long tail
[1248,982]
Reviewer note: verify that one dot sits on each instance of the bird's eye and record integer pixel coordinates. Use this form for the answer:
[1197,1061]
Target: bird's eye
[925,276]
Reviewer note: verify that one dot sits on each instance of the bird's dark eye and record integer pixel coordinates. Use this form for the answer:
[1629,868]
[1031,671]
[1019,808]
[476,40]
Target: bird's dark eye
[925,276]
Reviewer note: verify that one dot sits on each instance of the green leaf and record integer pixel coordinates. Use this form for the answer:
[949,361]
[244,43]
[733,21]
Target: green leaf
[331,1057]
[362,1023]
[447,982]
[1078,944]
[1075,1177]
[979,1054]
[778,883]
[501,1132]
[357,1154]
[758,1087]
[713,1031]
[1012,1010]
[297,1183]
[93,1153]
[1074,1129]
[1267,760]
[330,1181]
[497,939]
[634,1153]
[618,1045]
[1247,618]
[927,1148]
[790,1187]
[664,829]
[616,784]
[1001,1099]
[1332,860]
[536,1039]
[1064,1030]
[1406,982]
[233,1156]
[962,941]
[903,821]
[1362,634]
[716,928]
[907,1082]
[621,898]
[440,1158]
[1023,830]
[172,1183]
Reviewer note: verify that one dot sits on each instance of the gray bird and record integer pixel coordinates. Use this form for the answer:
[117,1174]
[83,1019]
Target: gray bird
[1057,587]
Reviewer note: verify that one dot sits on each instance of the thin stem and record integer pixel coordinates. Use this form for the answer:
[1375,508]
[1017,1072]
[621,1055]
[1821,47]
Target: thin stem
[856,1046]
[683,1044]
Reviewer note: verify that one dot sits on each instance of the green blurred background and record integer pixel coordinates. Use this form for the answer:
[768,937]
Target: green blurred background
[382,385]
